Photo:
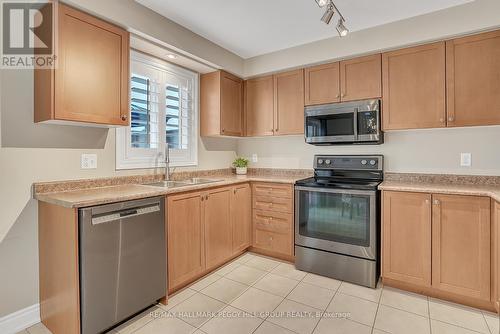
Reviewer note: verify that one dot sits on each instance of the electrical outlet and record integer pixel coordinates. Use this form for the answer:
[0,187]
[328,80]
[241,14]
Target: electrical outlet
[465,159]
[89,161]
[255,158]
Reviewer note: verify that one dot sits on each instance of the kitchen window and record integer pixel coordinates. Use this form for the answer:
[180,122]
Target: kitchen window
[163,110]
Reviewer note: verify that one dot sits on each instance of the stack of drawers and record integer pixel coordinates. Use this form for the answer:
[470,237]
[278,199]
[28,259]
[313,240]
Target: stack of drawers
[273,218]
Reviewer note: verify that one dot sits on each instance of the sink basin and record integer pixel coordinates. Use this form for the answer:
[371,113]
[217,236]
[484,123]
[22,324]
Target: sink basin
[199,180]
[182,183]
[169,184]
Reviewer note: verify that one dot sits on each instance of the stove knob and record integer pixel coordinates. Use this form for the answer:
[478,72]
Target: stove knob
[328,162]
[364,162]
[320,161]
[372,162]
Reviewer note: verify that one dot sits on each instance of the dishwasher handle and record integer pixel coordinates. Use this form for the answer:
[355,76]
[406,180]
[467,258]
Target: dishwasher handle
[124,214]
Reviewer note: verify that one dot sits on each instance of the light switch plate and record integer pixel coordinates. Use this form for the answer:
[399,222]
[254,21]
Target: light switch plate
[255,158]
[465,159]
[89,161]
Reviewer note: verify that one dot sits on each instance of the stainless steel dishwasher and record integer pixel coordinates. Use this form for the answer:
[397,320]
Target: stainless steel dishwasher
[122,252]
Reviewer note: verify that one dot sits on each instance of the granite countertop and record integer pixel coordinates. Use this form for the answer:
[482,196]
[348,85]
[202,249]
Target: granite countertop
[488,190]
[117,193]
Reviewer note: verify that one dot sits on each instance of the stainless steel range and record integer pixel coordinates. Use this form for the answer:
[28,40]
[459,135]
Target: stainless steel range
[337,218]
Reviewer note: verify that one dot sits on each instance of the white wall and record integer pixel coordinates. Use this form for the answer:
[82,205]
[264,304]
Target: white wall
[420,151]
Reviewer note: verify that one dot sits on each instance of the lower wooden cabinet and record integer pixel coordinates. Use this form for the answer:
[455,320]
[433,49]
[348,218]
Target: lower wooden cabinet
[186,241]
[205,230]
[461,245]
[406,253]
[217,222]
[439,244]
[241,217]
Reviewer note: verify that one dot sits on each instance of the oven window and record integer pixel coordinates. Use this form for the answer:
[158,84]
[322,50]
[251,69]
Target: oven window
[330,125]
[343,218]
[367,123]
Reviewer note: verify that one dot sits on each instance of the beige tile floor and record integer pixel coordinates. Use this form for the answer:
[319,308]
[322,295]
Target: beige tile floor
[254,294]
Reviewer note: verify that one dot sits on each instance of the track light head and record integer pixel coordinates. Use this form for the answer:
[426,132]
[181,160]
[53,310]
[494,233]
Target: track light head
[341,28]
[327,17]
[322,3]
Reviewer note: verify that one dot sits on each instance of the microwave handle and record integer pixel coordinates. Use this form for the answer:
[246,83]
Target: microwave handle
[356,110]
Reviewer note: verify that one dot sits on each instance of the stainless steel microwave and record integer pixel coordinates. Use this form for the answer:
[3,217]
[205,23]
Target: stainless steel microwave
[344,123]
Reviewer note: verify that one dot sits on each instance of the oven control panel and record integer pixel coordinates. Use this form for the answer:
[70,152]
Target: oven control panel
[354,162]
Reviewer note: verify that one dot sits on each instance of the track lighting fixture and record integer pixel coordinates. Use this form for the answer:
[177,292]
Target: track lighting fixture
[328,15]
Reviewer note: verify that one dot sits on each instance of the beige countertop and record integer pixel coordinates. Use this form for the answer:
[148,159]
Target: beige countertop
[443,188]
[118,193]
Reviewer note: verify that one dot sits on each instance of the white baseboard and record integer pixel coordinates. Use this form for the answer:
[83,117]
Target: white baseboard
[19,320]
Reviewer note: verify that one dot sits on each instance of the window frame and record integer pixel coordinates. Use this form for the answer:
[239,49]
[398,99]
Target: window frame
[128,157]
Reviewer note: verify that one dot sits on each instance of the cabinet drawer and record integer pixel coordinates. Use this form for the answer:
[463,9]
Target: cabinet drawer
[273,204]
[272,190]
[272,241]
[273,221]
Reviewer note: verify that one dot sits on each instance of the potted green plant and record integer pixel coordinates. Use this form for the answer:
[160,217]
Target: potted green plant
[241,165]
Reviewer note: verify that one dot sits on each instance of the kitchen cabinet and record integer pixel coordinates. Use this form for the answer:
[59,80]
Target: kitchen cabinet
[221,104]
[439,245]
[241,217]
[349,80]
[217,224]
[186,238]
[91,81]
[259,106]
[273,220]
[289,103]
[361,78]
[414,86]
[406,237]
[461,245]
[322,84]
[473,80]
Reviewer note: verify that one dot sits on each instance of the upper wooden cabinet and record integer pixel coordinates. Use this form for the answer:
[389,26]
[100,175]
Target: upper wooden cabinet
[473,80]
[461,245]
[241,217]
[406,237]
[348,80]
[414,86]
[289,103]
[221,104]
[91,81]
[361,78]
[274,105]
[259,106]
[322,84]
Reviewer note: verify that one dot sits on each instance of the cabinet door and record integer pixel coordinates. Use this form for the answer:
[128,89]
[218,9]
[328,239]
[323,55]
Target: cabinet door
[259,106]
[406,237]
[461,245]
[186,256]
[241,217]
[322,84]
[473,80]
[413,82]
[361,78]
[231,105]
[218,231]
[496,254]
[92,78]
[289,103]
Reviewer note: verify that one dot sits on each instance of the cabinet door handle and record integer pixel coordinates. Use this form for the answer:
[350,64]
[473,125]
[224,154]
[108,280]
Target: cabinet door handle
[427,201]
[124,117]
[437,202]
[451,119]
[338,96]
[202,198]
[206,197]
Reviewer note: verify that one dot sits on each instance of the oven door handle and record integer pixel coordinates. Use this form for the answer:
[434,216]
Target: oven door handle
[337,191]
[355,120]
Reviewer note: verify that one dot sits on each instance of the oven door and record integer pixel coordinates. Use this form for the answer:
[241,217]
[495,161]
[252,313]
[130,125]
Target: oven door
[337,220]
[330,123]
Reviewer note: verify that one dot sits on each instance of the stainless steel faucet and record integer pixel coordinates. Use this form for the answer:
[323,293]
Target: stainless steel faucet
[167,163]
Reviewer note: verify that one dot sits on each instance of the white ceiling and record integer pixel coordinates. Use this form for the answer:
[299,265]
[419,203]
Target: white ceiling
[254,27]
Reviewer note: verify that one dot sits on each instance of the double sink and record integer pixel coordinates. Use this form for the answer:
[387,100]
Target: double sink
[182,183]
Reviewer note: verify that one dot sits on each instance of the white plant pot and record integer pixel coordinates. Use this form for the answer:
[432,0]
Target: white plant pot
[241,170]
